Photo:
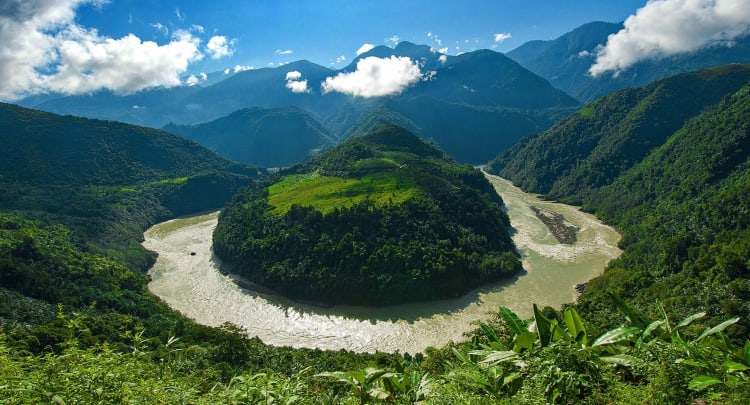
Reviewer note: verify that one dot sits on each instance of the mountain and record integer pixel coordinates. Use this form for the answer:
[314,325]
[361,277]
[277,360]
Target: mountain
[668,164]
[565,61]
[273,137]
[107,180]
[473,105]
[594,146]
[380,219]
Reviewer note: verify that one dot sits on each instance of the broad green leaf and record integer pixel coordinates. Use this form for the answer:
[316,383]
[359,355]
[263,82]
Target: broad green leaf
[687,321]
[702,382]
[379,393]
[636,317]
[575,325]
[524,341]
[543,327]
[621,359]
[489,333]
[732,366]
[499,357]
[718,328]
[651,327]
[513,321]
[616,335]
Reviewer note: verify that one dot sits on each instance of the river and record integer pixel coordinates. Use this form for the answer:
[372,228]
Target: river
[187,277]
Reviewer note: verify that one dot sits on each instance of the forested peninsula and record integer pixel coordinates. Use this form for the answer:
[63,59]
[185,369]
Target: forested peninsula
[382,219]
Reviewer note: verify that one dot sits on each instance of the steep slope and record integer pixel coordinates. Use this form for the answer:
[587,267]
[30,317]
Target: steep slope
[565,61]
[107,180]
[681,203]
[275,137]
[592,147]
[381,219]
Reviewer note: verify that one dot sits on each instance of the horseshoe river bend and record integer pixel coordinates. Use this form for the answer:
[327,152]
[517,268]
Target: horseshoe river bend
[187,276]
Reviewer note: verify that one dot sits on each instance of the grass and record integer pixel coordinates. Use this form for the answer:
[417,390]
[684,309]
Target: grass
[325,193]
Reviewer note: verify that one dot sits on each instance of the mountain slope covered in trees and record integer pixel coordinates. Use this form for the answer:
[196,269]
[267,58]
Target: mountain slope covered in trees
[107,180]
[679,196]
[276,137]
[592,147]
[382,219]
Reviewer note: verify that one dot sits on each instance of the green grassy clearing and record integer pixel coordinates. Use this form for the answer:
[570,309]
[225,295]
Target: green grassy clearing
[326,193]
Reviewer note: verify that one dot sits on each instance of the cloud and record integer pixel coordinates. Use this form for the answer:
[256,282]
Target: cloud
[198,28]
[502,36]
[298,86]
[179,15]
[443,59]
[340,58]
[365,48]
[375,77]
[394,40]
[286,52]
[294,83]
[45,50]
[241,68]
[161,27]
[443,50]
[218,47]
[663,28]
[192,80]
[293,75]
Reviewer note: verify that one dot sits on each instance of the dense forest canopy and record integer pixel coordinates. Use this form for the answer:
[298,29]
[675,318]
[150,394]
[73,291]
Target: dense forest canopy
[381,219]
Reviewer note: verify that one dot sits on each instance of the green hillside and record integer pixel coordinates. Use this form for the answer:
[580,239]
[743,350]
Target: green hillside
[592,147]
[669,165]
[382,219]
[108,181]
[267,137]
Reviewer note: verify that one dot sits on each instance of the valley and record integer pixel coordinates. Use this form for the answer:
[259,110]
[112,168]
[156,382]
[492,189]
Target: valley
[195,286]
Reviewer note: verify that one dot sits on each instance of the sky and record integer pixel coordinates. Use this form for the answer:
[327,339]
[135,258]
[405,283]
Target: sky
[82,46]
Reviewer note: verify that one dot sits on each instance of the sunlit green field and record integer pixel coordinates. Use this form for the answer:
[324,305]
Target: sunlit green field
[325,193]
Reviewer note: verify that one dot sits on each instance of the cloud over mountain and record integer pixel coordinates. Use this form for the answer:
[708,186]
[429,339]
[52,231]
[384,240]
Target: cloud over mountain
[43,49]
[667,27]
[219,47]
[375,77]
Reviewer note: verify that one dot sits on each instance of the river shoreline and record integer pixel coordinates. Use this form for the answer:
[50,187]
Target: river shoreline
[189,278]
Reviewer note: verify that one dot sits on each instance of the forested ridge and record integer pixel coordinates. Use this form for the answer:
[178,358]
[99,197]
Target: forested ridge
[382,219]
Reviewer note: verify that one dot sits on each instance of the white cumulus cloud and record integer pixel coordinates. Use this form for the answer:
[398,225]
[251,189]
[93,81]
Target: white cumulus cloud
[375,77]
[663,28]
[502,36]
[43,49]
[294,83]
[293,75]
[218,47]
[364,48]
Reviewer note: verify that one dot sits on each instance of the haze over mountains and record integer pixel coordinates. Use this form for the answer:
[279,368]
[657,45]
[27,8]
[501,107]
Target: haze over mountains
[473,105]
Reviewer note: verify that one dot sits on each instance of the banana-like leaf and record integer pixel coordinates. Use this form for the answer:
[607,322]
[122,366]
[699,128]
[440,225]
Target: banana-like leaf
[732,366]
[616,335]
[702,382]
[524,341]
[499,357]
[621,359]
[575,326]
[687,321]
[492,337]
[636,317]
[543,327]
[718,328]
[513,321]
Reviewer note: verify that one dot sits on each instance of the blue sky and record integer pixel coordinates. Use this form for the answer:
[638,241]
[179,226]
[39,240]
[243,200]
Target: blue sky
[84,46]
[323,31]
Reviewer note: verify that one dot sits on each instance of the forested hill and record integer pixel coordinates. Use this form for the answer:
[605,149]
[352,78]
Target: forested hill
[381,219]
[683,205]
[591,148]
[267,137]
[106,180]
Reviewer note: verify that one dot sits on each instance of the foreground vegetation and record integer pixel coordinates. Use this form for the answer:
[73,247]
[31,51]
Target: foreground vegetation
[382,219]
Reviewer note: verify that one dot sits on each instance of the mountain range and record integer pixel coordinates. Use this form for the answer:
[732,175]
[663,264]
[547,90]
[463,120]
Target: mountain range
[565,61]
[473,105]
